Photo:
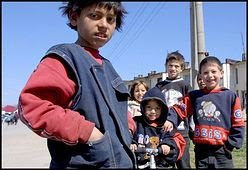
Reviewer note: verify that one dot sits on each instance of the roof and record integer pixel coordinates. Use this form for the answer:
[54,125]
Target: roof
[9,108]
[231,61]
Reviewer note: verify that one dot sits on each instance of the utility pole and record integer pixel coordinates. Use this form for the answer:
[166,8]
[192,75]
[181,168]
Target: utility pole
[244,51]
[197,40]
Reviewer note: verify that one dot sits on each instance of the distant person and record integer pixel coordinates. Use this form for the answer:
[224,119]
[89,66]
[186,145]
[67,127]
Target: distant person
[175,87]
[219,124]
[150,133]
[200,82]
[76,99]
[15,118]
[137,91]
[201,85]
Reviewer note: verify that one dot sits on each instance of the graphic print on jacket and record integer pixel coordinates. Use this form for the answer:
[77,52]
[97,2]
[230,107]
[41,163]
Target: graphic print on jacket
[217,116]
[172,97]
[208,111]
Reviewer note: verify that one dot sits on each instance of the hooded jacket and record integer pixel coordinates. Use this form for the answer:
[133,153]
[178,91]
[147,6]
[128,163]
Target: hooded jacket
[153,137]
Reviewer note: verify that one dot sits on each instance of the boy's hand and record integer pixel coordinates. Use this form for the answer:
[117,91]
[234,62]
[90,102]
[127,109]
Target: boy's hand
[133,147]
[95,135]
[130,131]
[165,149]
[168,126]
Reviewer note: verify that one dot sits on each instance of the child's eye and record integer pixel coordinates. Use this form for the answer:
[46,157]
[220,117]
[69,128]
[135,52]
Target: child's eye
[158,108]
[94,16]
[148,107]
[111,19]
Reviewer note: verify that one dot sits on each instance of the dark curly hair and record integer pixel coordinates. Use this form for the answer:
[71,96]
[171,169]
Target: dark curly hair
[78,5]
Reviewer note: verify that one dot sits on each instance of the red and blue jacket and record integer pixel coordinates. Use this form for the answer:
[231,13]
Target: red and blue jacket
[217,116]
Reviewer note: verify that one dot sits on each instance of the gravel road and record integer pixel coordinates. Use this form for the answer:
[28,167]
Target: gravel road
[22,148]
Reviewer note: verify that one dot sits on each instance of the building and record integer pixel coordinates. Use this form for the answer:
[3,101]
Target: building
[235,78]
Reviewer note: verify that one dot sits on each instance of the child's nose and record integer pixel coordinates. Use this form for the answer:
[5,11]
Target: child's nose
[103,22]
[210,74]
[153,110]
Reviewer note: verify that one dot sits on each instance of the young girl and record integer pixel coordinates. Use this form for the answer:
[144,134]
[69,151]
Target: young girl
[138,89]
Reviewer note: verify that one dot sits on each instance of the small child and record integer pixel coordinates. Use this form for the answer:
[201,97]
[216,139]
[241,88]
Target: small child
[137,91]
[150,133]
[219,124]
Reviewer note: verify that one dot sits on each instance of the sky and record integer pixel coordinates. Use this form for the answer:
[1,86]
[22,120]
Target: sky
[150,31]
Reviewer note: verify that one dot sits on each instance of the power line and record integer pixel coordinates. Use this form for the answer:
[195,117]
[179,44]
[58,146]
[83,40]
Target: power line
[141,28]
[131,25]
[242,42]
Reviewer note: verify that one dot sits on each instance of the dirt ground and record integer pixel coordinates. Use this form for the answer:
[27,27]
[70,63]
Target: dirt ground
[22,148]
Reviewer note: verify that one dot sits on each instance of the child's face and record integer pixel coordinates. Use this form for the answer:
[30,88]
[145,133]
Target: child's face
[152,110]
[200,82]
[211,75]
[139,92]
[174,69]
[95,26]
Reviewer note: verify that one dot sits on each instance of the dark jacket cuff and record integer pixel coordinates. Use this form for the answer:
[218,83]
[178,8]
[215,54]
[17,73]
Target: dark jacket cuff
[228,146]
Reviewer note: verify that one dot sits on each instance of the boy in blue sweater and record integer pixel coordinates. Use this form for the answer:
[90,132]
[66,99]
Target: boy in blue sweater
[219,124]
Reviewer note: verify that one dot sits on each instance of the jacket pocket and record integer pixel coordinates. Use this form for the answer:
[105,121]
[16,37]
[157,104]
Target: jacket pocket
[120,88]
[95,153]
[99,151]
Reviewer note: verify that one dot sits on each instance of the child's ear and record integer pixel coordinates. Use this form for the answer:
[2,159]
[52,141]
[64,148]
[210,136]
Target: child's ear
[221,73]
[73,16]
